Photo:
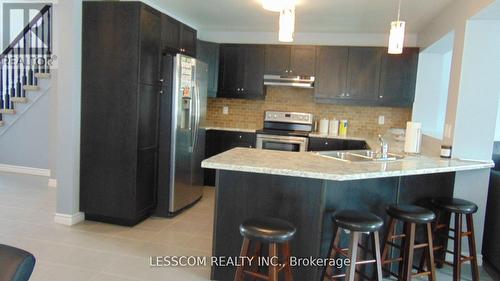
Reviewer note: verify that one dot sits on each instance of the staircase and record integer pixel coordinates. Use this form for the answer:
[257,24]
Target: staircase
[24,63]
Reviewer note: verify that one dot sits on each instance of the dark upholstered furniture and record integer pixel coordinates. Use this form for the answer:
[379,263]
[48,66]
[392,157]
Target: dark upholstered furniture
[15,264]
[491,247]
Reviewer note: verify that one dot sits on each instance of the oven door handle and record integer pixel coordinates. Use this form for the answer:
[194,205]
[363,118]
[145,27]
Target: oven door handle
[282,139]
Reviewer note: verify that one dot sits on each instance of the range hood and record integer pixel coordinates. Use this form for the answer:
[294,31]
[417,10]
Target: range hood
[289,81]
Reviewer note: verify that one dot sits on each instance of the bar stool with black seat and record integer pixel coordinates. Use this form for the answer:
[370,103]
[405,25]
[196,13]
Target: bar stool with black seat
[458,208]
[357,223]
[274,232]
[411,216]
[15,264]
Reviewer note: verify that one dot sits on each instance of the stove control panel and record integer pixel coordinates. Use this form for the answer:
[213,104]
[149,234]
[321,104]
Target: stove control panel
[289,117]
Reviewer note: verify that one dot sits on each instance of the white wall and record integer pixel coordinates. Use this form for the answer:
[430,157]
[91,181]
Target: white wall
[477,110]
[472,100]
[26,143]
[497,130]
[68,21]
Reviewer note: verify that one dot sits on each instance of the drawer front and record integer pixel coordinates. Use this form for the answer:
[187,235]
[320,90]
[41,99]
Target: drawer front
[325,144]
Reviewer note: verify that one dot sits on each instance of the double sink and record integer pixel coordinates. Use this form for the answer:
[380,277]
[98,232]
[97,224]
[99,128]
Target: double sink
[360,156]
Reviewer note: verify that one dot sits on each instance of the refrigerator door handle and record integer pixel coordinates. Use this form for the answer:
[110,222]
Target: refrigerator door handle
[196,106]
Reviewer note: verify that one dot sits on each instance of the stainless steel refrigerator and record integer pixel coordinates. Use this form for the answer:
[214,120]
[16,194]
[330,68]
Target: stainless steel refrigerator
[183,105]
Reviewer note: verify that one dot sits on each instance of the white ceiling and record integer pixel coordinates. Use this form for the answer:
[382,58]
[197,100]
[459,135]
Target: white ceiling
[335,16]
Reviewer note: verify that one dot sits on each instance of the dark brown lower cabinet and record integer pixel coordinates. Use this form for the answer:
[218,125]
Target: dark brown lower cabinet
[326,144]
[119,111]
[219,141]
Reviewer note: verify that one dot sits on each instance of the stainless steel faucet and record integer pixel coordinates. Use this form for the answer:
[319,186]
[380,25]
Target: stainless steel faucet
[384,148]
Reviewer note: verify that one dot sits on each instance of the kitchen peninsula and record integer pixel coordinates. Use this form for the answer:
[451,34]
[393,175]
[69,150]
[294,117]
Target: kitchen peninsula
[306,188]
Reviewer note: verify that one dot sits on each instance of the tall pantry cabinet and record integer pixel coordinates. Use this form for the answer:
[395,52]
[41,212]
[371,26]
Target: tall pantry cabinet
[119,112]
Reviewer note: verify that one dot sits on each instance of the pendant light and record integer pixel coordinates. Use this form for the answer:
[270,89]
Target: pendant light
[397,35]
[287,24]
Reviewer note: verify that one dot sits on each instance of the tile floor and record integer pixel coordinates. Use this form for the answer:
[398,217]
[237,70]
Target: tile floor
[93,251]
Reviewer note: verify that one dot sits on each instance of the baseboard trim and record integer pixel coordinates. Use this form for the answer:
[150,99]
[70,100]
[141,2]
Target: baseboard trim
[24,170]
[52,183]
[69,219]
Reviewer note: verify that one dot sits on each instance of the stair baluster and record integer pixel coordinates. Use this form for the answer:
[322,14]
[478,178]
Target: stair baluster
[49,43]
[30,71]
[25,79]
[42,51]
[6,103]
[1,90]
[12,79]
[18,65]
[37,69]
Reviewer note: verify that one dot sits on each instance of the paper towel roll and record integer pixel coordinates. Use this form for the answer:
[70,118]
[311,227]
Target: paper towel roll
[413,138]
[323,126]
[334,128]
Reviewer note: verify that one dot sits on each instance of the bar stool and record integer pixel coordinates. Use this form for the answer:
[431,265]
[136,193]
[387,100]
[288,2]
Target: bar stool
[459,208]
[270,231]
[410,216]
[15,264]
[357,223]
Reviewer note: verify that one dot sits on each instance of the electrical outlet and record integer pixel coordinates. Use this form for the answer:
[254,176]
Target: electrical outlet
[381,120]
[225,110]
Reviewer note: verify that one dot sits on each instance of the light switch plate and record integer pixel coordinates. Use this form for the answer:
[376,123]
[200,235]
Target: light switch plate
[381,120]
[225,110]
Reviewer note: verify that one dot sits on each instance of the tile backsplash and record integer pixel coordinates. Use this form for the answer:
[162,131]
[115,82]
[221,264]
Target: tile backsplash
[249,114]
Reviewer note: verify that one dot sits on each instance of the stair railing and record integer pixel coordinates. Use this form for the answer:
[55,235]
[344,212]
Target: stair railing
[24,58]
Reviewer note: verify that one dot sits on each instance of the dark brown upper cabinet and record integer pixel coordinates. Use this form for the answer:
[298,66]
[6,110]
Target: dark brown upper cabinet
[170,33]
[188,40]
[290,60]
[347,75]
[363,73]
[398,78]
[150,46]
[241,71]
[178,37]
[331,73]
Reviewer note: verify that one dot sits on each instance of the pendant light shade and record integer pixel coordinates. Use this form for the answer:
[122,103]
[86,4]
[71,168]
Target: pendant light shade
[287,25]
[397,37]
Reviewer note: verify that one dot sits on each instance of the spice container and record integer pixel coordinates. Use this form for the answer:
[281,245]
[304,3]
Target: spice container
[445,151]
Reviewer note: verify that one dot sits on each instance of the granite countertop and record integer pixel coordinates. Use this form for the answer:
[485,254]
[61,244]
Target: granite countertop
[311,165]
[231,129]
